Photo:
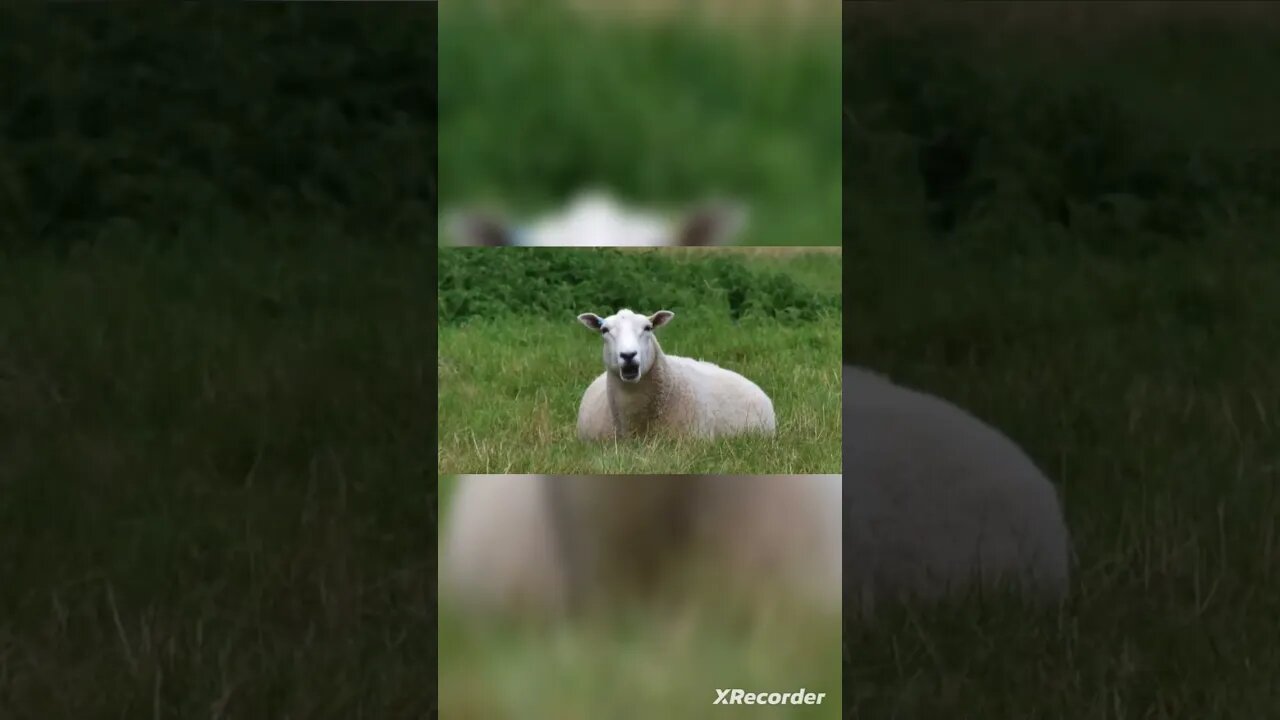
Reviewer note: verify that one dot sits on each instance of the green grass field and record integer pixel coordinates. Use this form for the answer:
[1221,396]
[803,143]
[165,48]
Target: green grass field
[512,374]
[1068,226]
[639,661]
[538,100]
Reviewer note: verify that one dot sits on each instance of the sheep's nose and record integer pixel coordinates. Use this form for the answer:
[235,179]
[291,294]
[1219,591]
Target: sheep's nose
[627,356]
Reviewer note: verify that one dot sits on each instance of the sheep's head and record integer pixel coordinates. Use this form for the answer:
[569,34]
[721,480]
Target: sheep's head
[629,345]
[596,220]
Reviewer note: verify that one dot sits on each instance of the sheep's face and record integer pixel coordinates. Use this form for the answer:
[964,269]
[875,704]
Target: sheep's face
[629,345]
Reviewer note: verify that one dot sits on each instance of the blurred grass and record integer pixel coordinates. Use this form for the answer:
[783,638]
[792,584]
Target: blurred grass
[639,661]
[214,475]
[540,100]
[1063,218]
[744,15]
[120,124]
[214,428]
[511,381]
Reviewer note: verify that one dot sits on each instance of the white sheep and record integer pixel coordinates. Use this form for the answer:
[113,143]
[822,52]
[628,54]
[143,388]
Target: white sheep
[938,502]
[499,549]
[644,390]
[541,545]
[595,219]
[935,502]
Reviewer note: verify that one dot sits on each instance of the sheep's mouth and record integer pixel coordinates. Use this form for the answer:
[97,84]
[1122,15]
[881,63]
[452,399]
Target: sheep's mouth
[629,373]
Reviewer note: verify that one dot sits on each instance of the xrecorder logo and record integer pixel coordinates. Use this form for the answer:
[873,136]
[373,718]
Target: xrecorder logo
[738,696]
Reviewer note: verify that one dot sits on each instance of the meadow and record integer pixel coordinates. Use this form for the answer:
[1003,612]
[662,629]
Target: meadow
[514,361]
[216,237]
[663,107]
[635,660]
[1064,219]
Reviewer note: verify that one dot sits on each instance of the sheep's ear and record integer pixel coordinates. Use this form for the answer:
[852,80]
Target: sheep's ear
[483,229]
[660,318]
[711,224]
[591,321]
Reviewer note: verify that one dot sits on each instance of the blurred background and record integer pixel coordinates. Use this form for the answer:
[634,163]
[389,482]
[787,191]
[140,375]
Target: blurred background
[282,126]
[1063,217]
[215,225]
[660,656]
[661,103]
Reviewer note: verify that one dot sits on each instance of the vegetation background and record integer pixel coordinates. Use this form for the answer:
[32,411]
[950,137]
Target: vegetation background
[661,660]
[216,233]
[664,103]
[514,360]
[1063,216]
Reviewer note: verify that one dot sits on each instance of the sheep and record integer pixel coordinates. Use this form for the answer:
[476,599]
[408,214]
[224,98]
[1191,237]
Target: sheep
[547,546]
[937,501]
[643,390]
[595,219]
[499,548]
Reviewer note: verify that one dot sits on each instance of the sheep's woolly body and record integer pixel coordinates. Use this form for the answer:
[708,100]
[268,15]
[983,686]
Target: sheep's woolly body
[499,546]
[935,500]
[786,528]
[594,218]
[678,395]
[505,548]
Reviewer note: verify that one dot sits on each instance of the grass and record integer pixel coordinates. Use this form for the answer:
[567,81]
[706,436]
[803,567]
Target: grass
[215,471]
[1115,320]
[663,112]
[214,478]
[637,661]
[511,382]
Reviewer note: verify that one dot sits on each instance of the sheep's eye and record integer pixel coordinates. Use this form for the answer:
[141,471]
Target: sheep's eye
[647,328]
[604,331]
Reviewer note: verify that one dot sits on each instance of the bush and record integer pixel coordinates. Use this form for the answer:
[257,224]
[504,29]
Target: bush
[490,282]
